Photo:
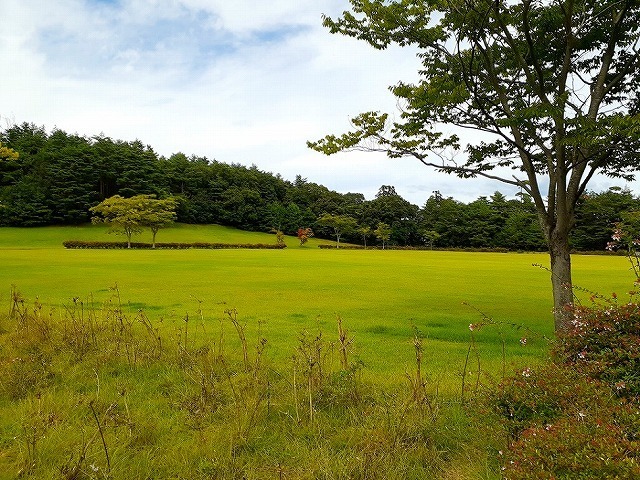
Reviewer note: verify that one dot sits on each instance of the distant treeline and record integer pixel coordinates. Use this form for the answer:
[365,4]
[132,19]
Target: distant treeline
[58,176]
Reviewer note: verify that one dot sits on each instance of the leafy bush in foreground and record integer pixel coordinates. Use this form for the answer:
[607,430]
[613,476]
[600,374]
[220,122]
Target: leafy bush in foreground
[605,345]
[580,416]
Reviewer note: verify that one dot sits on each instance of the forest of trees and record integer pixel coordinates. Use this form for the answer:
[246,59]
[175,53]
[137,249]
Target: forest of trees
[57,177]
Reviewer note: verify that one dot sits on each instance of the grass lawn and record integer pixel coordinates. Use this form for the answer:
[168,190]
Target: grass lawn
[88,396]
[380,295]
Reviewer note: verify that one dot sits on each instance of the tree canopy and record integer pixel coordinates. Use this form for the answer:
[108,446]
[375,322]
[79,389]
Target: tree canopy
[339,224]
[158,213]
[55,178]
[553,87]
[130,215]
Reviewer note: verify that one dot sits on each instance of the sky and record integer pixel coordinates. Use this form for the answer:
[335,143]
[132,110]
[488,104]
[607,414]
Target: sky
[238,81]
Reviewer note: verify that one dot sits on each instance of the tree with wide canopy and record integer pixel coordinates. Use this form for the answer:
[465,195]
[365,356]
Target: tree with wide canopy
[552,86]
[130,215]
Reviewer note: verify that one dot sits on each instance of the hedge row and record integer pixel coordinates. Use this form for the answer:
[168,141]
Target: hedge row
[168,246]
[396,247]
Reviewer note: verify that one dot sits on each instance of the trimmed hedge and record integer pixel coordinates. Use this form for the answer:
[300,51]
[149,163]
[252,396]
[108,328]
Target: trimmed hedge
[397,247]
[169,246]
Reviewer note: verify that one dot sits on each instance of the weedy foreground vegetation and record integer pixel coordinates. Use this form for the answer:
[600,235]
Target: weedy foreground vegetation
[312,387]
[102,394]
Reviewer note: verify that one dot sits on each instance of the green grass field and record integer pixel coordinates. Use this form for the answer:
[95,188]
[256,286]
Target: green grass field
[380,295]
[95,394]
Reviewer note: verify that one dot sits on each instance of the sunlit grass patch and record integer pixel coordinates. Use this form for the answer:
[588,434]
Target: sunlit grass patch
[282,292]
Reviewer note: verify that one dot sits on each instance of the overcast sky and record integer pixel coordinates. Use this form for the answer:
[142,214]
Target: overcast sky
[239,81]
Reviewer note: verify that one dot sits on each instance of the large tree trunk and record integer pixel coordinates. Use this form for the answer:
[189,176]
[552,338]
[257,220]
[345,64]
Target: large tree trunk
[559,253]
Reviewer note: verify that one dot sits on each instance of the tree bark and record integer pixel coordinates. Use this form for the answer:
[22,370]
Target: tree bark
[560,256]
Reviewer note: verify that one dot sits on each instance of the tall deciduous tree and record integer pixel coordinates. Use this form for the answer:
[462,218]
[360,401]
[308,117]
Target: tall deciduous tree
[553,86]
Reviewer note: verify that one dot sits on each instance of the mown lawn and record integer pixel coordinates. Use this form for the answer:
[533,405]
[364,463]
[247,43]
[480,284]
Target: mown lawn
[380,295]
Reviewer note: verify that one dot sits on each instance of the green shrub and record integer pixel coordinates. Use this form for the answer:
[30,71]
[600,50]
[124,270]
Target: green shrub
[541,396]
[604,344]
[598,443]
[578,417]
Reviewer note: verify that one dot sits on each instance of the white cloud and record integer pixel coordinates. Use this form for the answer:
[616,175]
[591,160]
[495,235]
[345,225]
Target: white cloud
[244,81]
[245,16]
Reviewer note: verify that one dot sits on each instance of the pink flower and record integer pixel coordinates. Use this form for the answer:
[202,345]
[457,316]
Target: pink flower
[523,341]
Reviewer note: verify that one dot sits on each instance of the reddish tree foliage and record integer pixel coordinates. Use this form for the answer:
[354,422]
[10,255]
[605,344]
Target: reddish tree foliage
[304,234]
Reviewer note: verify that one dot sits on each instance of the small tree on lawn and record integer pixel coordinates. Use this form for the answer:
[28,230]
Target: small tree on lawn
[341,224]
[304,234]
[626,236]
[157,214]
[383,233]
[279,238]
[365,232]
[430,237]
